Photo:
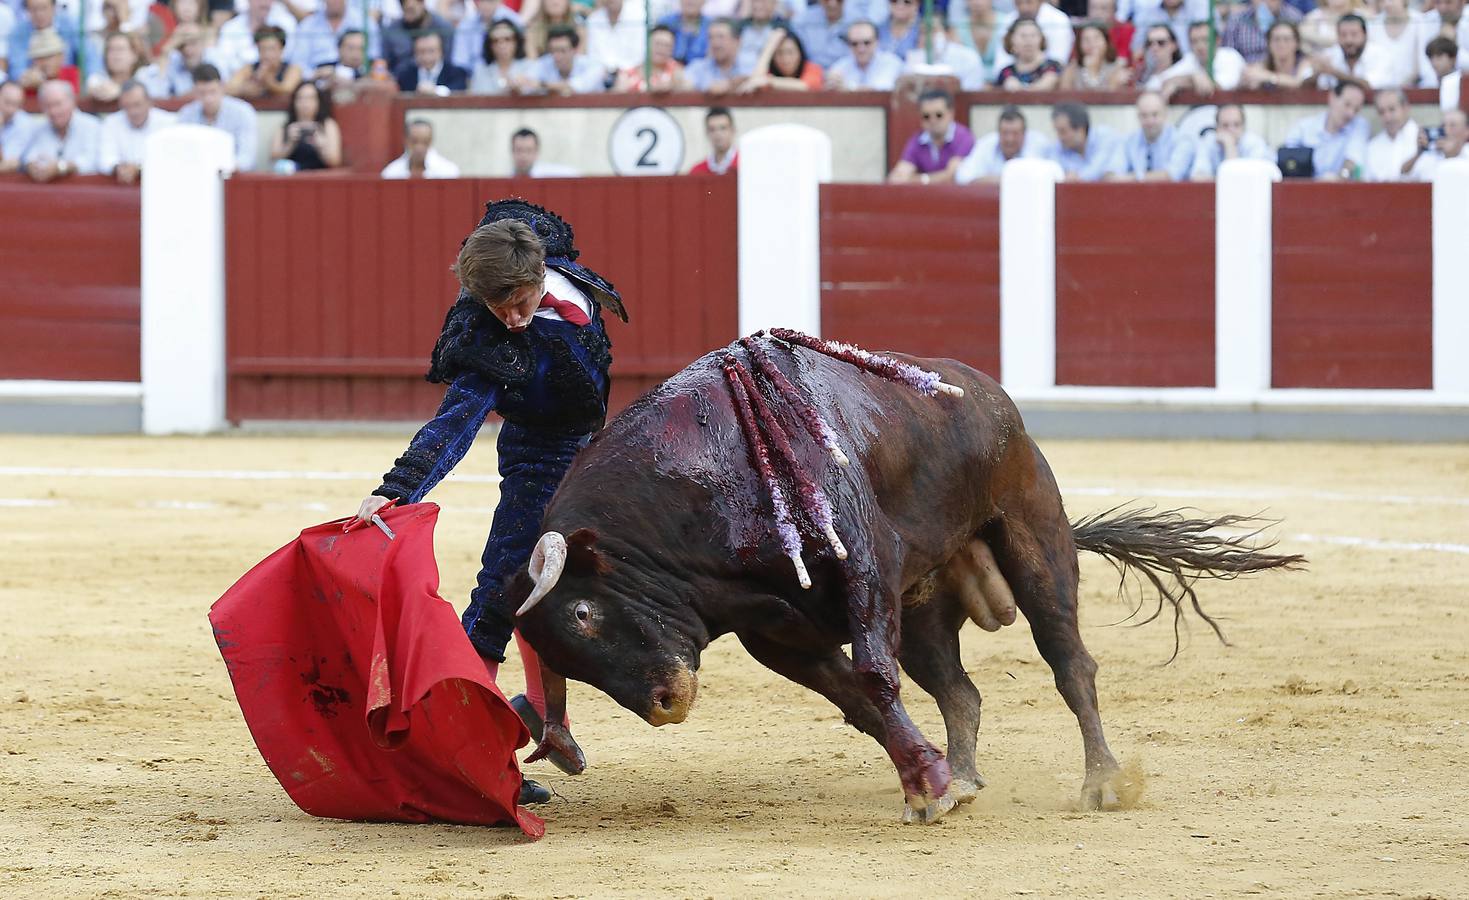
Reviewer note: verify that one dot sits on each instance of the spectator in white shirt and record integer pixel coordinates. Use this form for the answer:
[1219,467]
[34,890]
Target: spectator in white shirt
[950,57]
[1010,140]
[564,71]
[66,142]
[1189,74]
[173,74]
[231,115]
[420,159]
[615,36]
[525,158]
[1447,20]
[1451,143]
[1229,141]
[1354,59]
[1391,153]
[866,68]
[318,39]
[125,132]
[236,44]
[1402,33]
[16,126]
[1442,54]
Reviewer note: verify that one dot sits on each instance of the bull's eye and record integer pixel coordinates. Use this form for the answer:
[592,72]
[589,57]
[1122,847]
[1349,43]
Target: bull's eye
[583,612]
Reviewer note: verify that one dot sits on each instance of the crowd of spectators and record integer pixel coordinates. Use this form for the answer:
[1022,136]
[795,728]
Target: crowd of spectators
[1334,144]
[219,54]
[265,47]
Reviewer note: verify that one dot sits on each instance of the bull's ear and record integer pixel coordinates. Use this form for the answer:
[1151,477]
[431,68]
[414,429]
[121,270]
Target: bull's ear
[582,555]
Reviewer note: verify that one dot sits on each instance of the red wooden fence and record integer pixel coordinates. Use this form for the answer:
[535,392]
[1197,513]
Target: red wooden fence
[1135,284]
[914,268]
[1353,286]
[69,281]
[338,287]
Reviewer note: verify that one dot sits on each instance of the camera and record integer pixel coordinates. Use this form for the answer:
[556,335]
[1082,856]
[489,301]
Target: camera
[1433,134]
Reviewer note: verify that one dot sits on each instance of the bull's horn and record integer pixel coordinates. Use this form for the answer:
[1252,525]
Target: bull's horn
[546,563]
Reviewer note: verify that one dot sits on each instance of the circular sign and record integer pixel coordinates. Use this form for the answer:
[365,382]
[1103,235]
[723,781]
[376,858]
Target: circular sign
[646,140]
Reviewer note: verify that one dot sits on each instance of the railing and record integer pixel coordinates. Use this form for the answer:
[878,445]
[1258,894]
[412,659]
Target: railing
[336,289]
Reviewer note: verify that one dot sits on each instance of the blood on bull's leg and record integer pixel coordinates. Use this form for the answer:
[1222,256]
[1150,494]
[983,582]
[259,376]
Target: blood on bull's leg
[872,613]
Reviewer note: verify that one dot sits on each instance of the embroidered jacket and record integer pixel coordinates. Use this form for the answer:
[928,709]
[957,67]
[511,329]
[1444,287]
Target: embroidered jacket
[552,376]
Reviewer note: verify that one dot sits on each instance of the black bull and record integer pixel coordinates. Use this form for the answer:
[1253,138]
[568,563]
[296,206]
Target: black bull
[668,544]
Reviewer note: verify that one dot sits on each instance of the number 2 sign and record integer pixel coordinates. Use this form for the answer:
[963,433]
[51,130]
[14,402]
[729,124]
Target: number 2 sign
[646,140]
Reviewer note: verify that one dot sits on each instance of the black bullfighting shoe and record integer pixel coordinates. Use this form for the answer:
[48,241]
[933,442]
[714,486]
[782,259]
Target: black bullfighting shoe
[537,727]
[533,792]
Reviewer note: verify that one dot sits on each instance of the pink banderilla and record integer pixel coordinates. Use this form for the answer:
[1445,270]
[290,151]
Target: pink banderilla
[809,493]
[785,526]
[810,417]
[921,380]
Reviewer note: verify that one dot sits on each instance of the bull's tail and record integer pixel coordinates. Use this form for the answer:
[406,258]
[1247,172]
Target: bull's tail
[1173,552]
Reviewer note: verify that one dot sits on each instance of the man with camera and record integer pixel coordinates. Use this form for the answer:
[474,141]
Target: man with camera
[1438,144]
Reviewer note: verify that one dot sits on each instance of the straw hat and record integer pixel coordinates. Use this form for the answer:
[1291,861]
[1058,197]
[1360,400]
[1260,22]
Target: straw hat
[46,42]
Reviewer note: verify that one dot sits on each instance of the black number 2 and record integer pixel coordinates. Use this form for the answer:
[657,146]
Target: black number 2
[644,161]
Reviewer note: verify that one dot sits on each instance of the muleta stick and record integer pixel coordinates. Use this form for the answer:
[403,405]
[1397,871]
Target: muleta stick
[809,493]
[785,526]
[809,415]
[921,380]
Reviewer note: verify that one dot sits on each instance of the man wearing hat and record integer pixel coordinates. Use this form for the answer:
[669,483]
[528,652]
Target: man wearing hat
[39,15]
[67,141]
[48,63]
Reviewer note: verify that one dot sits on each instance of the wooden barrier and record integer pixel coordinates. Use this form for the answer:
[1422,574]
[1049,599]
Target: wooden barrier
[1353,286]
[1135,284]
[70,298]
[338,287]
[913,268]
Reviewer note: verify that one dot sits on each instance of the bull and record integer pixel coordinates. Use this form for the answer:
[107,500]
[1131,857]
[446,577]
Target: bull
[659,540]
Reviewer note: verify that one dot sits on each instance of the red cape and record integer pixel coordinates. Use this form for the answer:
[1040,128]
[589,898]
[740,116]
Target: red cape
[359,686]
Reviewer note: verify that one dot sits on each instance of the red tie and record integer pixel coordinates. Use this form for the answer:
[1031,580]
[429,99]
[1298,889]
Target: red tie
[565,309]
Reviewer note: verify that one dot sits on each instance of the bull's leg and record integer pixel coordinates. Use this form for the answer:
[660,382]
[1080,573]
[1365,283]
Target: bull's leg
[1036,553]
[872,613]
[930,656]
[829,675]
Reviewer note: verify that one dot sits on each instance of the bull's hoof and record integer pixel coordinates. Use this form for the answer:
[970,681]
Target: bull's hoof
[1100,790]
[964,790]
[567,756]
[925,810]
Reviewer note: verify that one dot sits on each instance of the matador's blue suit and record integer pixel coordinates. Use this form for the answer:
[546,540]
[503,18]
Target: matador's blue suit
[549,383]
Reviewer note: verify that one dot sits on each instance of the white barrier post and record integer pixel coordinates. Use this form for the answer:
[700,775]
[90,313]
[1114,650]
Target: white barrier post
[1028,274]
[781,170]
[183,279]
[1242,276]
[1451,277]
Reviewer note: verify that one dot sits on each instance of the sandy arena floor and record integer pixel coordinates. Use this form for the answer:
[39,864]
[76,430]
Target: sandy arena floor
[1322,755]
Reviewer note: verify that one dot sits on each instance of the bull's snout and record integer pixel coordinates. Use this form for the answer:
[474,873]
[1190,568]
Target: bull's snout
[672,699]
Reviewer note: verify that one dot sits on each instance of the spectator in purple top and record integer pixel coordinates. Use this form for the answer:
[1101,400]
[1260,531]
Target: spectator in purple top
[935,152]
